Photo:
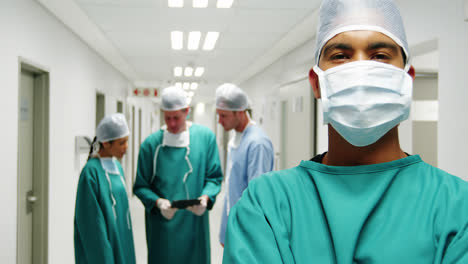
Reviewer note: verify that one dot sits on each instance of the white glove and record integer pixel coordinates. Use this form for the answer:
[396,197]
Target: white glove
[165,207]
[200,208]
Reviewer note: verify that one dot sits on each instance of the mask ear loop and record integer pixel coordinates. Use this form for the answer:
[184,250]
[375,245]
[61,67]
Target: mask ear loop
[155,162]
[188,172]
[407,67]
[112,196]
[323,91]
[129,225]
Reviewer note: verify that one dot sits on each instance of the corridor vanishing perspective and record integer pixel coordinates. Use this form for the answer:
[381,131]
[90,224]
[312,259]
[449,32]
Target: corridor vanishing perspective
[325,83]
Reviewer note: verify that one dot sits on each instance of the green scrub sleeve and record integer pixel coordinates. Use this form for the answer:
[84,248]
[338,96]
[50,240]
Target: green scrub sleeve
[90,222]
[142,186]
[457,250]
[249,236]
[214,175]
[453,240]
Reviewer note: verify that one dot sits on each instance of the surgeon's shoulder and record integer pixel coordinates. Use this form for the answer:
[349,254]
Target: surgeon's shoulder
[153,140]
[449,185]
[201,130]
[90,170]
[279,183]
[258,137]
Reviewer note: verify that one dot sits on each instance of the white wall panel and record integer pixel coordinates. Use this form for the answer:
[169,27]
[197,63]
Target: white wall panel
[76,73]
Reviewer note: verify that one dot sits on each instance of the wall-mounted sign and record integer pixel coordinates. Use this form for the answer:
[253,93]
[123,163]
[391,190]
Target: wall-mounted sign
[145,92]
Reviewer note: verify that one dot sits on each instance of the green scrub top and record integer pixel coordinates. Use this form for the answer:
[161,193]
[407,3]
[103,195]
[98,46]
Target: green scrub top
[100,235]
[185,238]
[404,211]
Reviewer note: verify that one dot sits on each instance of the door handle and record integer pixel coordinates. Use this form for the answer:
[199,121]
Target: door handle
[30,200]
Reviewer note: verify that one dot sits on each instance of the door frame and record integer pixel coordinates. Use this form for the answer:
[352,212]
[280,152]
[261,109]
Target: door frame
[40,159]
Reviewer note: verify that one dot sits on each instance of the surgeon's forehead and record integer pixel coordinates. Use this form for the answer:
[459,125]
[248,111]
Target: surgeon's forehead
[175,113]
[223,112]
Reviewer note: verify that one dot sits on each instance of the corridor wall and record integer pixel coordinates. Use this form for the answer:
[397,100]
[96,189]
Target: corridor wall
[76,74]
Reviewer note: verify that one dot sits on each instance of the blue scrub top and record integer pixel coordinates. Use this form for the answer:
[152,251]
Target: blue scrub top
[253,157]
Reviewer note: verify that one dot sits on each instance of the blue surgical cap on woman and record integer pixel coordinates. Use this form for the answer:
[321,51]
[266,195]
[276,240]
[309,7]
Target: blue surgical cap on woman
[112,127]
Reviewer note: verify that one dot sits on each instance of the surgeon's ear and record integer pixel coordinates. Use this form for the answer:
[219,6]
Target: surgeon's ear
[106,145]
[412,72]
[313,79]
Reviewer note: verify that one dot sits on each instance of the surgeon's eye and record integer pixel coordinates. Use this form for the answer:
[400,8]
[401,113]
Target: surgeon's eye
[338,57]
[381,57]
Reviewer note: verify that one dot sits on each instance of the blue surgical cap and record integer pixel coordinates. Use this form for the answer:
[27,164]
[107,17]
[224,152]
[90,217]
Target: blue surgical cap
[112,127]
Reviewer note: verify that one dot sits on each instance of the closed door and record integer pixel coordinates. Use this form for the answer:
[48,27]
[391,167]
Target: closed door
[100,107]
[297,123]
[425,117]
[33,135]
[26,197]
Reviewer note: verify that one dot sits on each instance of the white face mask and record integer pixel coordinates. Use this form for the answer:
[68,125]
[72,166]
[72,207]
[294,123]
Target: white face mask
[179,140]
[108,164]
[363,100]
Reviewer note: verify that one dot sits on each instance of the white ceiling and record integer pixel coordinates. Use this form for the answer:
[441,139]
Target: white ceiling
[139,30]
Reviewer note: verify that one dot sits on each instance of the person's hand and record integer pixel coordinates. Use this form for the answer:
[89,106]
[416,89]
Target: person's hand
[165,207]
[200,208]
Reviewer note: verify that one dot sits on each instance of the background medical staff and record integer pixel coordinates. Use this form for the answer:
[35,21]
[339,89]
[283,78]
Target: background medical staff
[103,227]
[365,200]
[250,151]
[178,162]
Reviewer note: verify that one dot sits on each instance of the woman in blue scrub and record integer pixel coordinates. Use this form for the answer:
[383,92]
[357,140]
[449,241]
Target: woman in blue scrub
[103,228]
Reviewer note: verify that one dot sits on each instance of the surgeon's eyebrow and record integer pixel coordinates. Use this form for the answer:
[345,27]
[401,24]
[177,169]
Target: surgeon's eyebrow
[383,45]
[334,46]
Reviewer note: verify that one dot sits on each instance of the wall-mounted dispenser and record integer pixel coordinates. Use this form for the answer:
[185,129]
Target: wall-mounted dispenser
[82,147]
[82,144]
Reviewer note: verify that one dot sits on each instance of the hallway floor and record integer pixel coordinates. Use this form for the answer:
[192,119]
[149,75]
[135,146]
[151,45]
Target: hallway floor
[138,221]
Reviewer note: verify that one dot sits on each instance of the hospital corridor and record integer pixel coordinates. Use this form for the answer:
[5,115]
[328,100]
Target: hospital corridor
[258,131]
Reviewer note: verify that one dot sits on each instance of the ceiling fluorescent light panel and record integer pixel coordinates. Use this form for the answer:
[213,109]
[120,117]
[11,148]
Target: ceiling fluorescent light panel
[193,86]
[194,40]
[177,71]
[200,3]
[199,71]
[210,40]
[177,40]
[188,72]
[175,3]
[224,3]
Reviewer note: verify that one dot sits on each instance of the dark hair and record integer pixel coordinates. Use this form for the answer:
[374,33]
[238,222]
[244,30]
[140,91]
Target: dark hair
[403,54]
[100,145]
[91,148]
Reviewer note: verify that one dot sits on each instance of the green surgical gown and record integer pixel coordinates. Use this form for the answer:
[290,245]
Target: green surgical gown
[100,235]
[185,238]
[404,211]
